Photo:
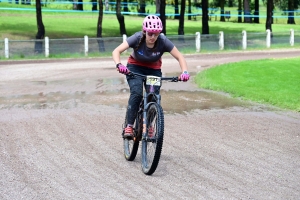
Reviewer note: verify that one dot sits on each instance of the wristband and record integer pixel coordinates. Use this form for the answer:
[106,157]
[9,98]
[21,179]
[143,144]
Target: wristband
[117,65]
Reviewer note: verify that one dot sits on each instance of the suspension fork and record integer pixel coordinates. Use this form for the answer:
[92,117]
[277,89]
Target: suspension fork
[146,106]
[145,97]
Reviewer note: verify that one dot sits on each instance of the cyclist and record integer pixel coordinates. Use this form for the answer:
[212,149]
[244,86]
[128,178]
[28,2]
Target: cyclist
[148,47]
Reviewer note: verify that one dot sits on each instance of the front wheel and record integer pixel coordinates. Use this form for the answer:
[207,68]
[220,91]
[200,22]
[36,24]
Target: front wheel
[153,141]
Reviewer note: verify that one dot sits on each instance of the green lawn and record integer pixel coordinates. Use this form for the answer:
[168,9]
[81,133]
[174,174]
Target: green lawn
[22,24]
[271,81]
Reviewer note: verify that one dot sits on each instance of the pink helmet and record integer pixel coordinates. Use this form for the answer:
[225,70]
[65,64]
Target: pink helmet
[152,24]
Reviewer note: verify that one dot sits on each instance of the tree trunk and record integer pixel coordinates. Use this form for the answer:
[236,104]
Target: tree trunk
[247,12]
[291,8]
[80,5]
[189,10]
[176,10]
[240,11]
[269,15]
[125,9]
[94,5]
[38,46]
[181,19]
[222,3]
[142,9]
[99,28]
[162,15]
[256,11]
[120,18]
[205,27]
[157,3]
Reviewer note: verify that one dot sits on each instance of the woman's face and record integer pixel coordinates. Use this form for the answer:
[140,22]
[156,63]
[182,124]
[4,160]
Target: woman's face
[151,37]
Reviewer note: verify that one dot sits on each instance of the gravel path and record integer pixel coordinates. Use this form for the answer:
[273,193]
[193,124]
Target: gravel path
[60,125]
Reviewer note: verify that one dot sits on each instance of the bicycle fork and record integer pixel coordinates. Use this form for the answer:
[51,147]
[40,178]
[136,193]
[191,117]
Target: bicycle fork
[145,97]
[147,103]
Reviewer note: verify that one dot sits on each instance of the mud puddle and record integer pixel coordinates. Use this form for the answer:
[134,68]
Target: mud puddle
[66,94]
[172,101]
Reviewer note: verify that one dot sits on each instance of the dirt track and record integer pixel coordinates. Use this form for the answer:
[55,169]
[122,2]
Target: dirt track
[60,132]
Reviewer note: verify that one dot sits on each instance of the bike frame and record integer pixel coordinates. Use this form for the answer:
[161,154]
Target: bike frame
[150,93]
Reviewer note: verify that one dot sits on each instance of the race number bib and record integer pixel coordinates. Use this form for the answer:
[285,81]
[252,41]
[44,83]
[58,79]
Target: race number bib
[153,80]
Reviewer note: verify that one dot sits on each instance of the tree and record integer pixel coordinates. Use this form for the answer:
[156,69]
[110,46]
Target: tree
[125,9]
[162,15]
[120,18]
[205,27]
[157,3]
[94,5]
[41,28]
[269,13]
[142,9]
[181,18]
[239,11]
[256,11]
[189,10]
[247,11]
[291,8]
[80,5]
[176,10]
[99,27]
[222,4]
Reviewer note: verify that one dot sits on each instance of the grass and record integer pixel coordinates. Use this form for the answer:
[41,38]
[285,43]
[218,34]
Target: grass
[21,24]
[271,81]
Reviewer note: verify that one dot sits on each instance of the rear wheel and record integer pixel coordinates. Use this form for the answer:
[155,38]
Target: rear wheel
[152,146]
[131,145]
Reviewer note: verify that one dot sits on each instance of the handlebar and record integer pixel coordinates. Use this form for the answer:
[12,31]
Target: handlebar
[171,79]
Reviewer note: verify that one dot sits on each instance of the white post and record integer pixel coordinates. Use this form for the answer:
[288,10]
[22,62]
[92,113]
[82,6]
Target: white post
[6,48]
[124,39]
[86,45]
[292,37]
[268,39]
[221,40]
[244,41]
[198,42]
[46,47]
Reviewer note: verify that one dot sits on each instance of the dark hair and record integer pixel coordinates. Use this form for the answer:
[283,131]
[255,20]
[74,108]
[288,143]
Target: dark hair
[143,38]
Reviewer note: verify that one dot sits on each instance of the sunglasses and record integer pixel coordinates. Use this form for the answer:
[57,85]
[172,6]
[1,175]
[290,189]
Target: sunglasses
[153,34]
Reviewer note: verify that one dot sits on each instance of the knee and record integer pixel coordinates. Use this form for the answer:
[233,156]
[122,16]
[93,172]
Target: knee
[136,97]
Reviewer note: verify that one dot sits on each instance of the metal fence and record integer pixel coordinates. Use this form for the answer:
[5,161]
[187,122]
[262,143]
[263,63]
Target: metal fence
[16,49]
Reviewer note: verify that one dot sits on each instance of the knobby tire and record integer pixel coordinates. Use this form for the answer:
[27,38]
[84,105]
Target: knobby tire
[151,148]
[131,146]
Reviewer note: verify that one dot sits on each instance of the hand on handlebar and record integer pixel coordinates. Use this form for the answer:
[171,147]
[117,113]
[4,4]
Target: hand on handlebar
[122,69]
[184,77]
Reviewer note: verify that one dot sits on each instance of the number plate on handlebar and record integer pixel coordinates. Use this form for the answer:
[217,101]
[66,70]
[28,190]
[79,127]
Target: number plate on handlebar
[153,80]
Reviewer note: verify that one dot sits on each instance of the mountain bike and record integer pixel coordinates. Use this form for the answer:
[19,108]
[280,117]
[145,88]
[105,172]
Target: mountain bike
[148,126]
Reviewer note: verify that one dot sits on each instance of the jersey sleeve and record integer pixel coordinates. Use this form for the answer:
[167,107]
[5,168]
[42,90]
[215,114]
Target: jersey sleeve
[168,44]
[134,39]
